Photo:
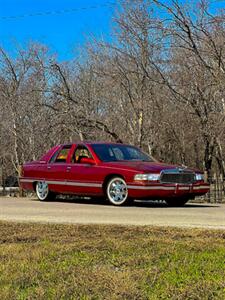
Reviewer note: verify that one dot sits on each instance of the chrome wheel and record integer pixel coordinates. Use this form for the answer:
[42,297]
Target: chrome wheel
[117,192]
[42,190]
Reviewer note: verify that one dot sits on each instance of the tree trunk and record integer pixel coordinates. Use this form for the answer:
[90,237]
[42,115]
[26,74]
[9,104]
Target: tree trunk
[208,157]
[220,158]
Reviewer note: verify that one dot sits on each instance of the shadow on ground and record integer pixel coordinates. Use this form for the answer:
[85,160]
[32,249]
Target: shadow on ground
[136,203]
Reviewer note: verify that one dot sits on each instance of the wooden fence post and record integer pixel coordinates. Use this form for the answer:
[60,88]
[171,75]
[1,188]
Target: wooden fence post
[207,197]
[21,191]
[222,180]
[3,177]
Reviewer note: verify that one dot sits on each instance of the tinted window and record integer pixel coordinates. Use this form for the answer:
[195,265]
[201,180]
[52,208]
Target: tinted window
[79,153]
[120,152]
[54,156]
[61,156]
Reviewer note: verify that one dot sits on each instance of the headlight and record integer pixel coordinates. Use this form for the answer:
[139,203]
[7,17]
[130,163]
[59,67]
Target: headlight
[150,177]
[199,177]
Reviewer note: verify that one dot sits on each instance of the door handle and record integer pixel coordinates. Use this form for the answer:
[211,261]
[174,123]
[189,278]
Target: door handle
[49,167]
[68,169]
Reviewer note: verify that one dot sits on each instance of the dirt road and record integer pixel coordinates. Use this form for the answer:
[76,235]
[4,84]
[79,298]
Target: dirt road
[89,212]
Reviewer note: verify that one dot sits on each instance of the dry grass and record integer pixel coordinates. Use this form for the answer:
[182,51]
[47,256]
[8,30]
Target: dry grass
[110,262]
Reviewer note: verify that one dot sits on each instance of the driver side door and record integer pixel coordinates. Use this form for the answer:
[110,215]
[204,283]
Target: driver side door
[81,177]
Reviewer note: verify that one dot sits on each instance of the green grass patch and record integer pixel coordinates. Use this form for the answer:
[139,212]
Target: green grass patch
[110,262]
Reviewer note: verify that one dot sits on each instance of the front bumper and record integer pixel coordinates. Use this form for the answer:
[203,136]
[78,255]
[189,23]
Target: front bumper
[163,191]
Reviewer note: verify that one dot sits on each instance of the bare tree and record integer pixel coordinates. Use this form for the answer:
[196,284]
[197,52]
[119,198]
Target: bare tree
[158,84]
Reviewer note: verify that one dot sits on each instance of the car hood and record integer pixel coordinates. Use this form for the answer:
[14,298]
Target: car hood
[146,167]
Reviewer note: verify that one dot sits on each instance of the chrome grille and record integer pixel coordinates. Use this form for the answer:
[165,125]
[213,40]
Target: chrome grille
[177,176]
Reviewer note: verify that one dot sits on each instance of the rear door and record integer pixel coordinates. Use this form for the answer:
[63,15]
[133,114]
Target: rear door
[57,169]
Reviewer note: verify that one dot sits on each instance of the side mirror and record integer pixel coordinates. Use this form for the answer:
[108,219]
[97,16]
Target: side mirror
[87,160]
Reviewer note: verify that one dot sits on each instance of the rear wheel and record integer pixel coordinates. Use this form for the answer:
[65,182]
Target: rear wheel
[176,202]
[43,192]
[117,192]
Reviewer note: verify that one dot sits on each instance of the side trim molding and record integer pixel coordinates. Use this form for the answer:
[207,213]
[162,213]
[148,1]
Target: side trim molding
[67,183]
[131,187]
[138,187]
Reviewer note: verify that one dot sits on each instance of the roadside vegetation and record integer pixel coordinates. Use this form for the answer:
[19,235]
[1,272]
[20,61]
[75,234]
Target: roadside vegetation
[157,82]
[110,262]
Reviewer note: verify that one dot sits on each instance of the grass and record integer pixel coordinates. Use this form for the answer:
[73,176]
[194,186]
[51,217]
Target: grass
[110,262]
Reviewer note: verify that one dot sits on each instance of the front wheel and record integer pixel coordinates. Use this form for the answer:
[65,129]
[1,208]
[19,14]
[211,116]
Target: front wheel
[43,192]
[117,192]
[176,202]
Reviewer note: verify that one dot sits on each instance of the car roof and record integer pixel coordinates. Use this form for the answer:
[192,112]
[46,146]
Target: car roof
[93,143]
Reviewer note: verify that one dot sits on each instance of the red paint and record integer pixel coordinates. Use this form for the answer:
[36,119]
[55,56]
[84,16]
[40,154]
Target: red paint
[88,177]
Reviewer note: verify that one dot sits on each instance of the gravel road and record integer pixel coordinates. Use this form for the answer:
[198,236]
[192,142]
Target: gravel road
[89,212]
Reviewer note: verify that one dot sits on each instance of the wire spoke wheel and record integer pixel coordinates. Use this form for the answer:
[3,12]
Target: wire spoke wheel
[117,191]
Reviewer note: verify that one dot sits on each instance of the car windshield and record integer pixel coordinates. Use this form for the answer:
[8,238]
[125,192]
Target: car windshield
[110,152]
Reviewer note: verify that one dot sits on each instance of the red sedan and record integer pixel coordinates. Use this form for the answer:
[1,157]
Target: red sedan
[118,172]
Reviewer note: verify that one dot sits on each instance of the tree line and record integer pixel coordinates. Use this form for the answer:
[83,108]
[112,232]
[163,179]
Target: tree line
[158,84]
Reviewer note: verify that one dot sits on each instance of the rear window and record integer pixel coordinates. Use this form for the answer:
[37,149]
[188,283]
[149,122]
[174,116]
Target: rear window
[61,155]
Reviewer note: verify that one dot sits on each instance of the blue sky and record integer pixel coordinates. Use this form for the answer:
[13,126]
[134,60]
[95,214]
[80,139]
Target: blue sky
[63,33]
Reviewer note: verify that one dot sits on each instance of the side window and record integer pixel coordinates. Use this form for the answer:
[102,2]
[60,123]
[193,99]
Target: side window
[118,153]
[133,153]
[79,153]
[61,156]
[54,156]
